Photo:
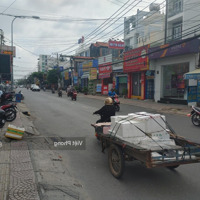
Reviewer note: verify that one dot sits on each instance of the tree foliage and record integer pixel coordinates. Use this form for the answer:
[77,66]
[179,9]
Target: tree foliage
[52,76]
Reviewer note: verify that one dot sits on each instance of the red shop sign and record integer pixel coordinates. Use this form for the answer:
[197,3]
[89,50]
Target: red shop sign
[115,44]
[138,60]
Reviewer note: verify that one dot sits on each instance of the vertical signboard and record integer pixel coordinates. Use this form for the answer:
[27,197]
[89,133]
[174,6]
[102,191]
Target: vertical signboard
[198,91]
[192,94]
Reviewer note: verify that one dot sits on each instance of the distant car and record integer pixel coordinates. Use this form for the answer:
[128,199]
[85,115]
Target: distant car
[35,88]
[32,86]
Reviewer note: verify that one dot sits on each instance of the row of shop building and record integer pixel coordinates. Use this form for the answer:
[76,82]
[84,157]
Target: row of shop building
[156,73]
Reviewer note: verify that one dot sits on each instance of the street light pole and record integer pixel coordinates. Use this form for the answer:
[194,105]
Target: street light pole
[12,47]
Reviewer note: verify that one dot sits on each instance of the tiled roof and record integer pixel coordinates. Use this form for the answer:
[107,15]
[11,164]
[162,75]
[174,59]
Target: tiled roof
[100,44]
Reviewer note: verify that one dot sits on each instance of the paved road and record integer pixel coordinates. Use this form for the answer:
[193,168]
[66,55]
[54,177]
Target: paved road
[62,117]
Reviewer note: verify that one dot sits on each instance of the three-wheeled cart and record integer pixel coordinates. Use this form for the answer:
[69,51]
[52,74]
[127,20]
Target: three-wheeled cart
[119,151]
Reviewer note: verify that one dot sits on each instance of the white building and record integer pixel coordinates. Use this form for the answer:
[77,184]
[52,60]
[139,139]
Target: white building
[172,63]
[48,62]
[182,19]
[144,28]
[43,63]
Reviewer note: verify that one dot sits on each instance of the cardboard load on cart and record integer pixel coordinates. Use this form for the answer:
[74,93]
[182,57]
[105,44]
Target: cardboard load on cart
[144,129]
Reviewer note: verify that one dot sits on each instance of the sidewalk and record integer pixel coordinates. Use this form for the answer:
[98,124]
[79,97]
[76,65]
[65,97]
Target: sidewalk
[17,178]
[159,107]
[28,173]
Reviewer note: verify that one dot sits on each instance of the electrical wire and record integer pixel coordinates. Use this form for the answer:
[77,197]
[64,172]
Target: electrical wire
[9,6]
[107,33]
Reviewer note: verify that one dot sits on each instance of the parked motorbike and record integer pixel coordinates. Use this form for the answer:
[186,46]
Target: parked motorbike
[60,93]
[10,111]
[2,118]
[53,91]
[116,103]
[195,116]
[7,96]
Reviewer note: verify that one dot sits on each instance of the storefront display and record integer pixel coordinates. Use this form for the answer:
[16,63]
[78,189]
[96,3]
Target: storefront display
[136,64]
[174,85]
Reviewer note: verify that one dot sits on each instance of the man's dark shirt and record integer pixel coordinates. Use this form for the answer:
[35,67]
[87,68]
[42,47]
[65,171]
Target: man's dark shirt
[106,112]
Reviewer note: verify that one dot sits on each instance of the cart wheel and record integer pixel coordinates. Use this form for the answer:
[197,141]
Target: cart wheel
[173,167]
[116,161]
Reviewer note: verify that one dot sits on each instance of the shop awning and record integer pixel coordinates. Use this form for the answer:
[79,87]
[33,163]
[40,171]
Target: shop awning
[85,75]
[193,75]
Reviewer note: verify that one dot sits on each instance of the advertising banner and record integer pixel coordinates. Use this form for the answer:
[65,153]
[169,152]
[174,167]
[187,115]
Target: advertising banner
[93,73]
[105,59]
[198,91]
[87,65]
[5,62]
[192,94]
[105,89]
[105,71]
[115,44]
[136,60]
[173,50]
[61,69]
[66,75]
[80,69]
[75,79]
[8,50]
[95,63]
[98,88]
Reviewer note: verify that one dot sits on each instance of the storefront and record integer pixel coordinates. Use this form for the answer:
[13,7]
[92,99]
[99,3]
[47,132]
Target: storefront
[135,66]
[93,81]
[171,62]
[121,84]
[174,85]
[105,73]
[119,78]
[85,80]
[149,84]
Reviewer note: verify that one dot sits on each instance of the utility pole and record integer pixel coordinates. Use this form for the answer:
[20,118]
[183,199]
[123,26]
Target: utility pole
[71,64]
[166,17]
[1,39]
[58,70]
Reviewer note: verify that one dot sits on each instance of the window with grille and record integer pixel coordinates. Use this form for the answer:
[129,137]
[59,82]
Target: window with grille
[177,31]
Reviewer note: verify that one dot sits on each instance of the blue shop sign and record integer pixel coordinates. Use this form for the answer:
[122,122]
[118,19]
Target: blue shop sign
[98,89]
[192,94]
[198,91]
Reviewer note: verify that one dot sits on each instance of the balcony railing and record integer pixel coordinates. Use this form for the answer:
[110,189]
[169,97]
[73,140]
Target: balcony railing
[172,13]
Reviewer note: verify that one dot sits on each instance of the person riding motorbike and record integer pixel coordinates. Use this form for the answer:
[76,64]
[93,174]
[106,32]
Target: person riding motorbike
[112,93]
[106,111]
[60,92]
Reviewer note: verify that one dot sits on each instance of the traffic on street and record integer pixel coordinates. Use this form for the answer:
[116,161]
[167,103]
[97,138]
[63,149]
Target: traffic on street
[62,117]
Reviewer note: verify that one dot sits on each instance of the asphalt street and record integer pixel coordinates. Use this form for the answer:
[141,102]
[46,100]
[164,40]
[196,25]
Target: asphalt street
[62,117]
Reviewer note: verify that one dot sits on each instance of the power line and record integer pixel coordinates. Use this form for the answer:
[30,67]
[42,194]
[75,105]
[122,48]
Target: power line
[9,6]
[107,27]
[108,32]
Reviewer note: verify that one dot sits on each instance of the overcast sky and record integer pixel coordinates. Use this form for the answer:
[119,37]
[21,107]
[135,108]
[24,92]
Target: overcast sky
[61,24]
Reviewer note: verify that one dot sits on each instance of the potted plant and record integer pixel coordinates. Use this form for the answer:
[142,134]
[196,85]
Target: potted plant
[85,90]
[124,92]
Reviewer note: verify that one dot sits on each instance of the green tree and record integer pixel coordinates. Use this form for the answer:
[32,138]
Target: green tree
[52,76]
